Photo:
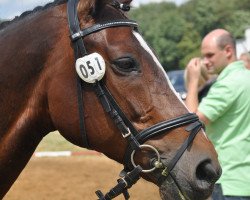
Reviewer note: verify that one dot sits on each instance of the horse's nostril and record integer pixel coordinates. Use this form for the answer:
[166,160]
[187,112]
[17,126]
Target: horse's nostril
[207,172]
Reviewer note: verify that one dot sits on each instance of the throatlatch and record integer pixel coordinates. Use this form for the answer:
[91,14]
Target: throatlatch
[91,69]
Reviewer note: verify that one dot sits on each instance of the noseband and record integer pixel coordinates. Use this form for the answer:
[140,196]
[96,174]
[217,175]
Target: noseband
[135,139]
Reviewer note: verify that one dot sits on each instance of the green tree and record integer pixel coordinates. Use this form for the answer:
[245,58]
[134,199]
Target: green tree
[238,22]
[163,28]
[189,46]
[211,14]
[176,32]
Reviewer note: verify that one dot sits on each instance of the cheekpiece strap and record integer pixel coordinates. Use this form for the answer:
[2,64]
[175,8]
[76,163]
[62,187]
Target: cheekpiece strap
[79,51]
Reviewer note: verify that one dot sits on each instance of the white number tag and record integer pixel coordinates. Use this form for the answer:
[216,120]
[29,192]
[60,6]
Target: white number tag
[91,68]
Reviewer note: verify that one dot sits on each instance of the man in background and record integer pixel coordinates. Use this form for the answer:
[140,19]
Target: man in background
[225,112]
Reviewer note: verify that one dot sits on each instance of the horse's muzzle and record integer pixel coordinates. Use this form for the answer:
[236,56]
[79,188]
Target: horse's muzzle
[197,187]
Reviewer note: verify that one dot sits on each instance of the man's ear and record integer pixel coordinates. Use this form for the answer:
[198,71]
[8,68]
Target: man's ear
[229,50]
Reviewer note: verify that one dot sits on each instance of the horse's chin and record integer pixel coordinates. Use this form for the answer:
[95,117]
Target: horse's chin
[170,191]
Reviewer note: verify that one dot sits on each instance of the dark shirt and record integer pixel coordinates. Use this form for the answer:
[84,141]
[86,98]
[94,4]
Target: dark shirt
[204,90]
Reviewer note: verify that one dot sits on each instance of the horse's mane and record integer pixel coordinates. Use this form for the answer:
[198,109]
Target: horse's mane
[36,9]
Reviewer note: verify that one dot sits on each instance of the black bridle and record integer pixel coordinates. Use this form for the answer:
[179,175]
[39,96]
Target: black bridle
[135,139]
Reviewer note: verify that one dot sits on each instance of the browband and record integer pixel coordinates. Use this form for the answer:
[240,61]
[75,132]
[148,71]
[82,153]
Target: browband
[100,26]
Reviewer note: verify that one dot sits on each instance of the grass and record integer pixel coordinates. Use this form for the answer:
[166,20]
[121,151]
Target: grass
[55,142]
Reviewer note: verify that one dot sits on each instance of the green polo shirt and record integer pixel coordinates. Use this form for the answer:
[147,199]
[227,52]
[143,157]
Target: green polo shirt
[227,106]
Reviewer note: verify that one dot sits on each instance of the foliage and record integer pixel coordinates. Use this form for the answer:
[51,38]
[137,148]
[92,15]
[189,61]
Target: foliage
[176,32]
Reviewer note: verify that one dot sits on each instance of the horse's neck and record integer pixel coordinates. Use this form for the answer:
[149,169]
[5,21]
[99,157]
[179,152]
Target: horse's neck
[26,45]
[24,118]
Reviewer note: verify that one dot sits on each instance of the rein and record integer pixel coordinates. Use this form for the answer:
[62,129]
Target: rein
[136,140]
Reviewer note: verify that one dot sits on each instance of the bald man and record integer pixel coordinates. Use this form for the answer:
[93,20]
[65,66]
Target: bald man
[225,111]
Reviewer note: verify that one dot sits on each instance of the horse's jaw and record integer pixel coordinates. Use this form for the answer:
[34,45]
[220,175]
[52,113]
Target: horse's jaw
[169,191]
[173,188]
[180,184]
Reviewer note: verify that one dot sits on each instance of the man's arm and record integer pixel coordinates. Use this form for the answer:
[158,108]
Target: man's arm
[192,101]
[193,76]
[203,118]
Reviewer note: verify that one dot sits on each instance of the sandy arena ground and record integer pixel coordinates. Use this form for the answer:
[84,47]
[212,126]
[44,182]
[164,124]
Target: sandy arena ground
[73,178]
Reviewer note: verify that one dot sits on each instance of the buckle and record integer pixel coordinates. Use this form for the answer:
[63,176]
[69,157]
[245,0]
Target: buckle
[124,135]
[75,36]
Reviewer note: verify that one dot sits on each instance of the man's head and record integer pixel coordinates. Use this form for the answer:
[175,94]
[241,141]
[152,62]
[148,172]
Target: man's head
[218,50]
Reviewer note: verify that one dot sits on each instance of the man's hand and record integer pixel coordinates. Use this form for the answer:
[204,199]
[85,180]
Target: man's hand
[193,71]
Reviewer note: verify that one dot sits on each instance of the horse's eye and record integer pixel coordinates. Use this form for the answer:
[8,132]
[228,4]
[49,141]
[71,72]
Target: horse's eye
[126,64]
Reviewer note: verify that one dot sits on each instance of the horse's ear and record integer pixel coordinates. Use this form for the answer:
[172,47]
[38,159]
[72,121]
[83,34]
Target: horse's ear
[126,1]
[89,8]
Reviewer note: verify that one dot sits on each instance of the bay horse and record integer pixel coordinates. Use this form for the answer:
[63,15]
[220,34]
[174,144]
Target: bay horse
[81,67]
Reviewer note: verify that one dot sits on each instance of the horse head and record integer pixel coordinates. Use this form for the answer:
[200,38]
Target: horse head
[131,112]
[138,86]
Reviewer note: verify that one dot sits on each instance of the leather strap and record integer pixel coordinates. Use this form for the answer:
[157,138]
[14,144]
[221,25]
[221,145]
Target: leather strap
[79,51]
[193,128]
[123,184]
[98,27]
[163,128]
[166,126]
[126,128]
